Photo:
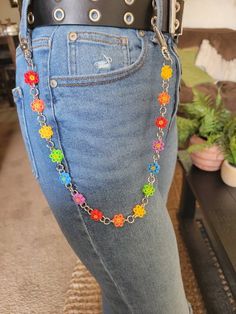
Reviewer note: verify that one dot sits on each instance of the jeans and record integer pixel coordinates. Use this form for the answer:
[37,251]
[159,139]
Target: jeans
[102,116]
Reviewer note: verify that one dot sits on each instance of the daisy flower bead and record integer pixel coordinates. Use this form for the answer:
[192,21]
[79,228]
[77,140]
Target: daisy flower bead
[96,214]
[118,220]
[164,98]
[148,189]
[139,211]
[158,145]
[65,178]
[166,72]
[56,155]
[31,77]
[153,167]
[161,122]
[78,198]
[46,132]
[38,105]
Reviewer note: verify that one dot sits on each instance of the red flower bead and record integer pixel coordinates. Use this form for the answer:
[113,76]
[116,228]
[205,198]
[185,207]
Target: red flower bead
[31,77]
[96,214]
[164,98]
[161,122]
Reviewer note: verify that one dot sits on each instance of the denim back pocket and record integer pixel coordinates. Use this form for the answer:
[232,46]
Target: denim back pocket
[19,101]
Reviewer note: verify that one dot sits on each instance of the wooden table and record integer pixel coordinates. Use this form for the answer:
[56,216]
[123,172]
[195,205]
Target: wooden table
[209,231]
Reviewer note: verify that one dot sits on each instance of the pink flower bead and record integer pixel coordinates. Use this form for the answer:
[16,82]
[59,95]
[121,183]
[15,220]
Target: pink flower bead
[158,145]
[78,198]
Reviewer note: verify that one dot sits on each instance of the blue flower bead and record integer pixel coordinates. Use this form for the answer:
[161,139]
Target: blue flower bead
[153,167]
[65,178]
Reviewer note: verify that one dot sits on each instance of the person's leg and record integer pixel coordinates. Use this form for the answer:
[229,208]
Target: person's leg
[103,120]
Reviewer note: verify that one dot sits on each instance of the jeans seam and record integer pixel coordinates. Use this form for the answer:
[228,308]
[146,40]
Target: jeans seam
[177,91]
[19,101]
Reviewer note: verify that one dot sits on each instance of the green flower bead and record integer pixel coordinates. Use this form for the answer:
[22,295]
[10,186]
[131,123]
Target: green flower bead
[56,155]
[148,190]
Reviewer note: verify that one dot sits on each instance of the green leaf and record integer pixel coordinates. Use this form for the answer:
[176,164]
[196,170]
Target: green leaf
[186,128]
[198,147]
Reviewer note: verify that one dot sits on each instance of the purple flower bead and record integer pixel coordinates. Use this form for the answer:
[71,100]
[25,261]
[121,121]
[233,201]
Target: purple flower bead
[158,145]
[78,198]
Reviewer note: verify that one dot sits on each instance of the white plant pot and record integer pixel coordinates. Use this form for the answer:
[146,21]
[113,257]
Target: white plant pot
[228,174]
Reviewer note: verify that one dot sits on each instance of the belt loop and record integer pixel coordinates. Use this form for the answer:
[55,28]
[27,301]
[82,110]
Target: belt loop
[158,36]
[159,5]
[24,31]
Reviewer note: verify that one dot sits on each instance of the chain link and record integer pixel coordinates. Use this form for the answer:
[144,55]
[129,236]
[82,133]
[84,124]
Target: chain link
[50,144]
[163,110]
[60,167]
[130,219]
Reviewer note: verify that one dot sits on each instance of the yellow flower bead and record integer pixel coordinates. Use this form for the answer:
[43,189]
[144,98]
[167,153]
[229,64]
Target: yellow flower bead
[46,132]
[139,211]
[166,72]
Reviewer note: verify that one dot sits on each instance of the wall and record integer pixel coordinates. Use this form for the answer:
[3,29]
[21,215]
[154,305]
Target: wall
[210,14]
[6,11]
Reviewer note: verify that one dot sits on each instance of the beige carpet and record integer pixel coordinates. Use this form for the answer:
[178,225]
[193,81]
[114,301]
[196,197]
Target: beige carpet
[35,260]
[84,294]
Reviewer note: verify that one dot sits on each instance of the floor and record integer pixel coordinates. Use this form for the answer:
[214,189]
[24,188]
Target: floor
[35,259]
[31,242]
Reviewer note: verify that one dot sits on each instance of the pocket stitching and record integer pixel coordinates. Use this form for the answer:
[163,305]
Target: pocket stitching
[115,41]
[19,101]
[104,78]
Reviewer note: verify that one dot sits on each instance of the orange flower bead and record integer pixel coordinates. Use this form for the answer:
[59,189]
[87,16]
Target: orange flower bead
[118,220]
[38,105]
[164,98]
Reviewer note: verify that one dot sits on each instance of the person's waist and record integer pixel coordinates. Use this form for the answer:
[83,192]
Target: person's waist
[117,13]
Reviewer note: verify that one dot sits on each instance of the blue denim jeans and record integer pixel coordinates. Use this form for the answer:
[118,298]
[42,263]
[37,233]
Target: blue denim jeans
[103,114]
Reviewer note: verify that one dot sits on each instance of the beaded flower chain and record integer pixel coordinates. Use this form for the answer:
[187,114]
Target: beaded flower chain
[57,156]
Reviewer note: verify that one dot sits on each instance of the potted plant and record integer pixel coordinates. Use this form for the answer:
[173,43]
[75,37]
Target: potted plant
[201,128]
[228,168]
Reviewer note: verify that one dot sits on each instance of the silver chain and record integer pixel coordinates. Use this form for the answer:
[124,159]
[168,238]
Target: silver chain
[42,120]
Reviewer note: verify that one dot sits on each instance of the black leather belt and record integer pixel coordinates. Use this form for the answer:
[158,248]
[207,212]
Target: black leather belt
[118,13]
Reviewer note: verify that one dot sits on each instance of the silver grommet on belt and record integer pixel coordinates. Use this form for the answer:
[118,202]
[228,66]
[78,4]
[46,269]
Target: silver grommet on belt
[58,14]
[30,18]
[128,18]
[177,24]
[94,15]
[177,6]
[129,2]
